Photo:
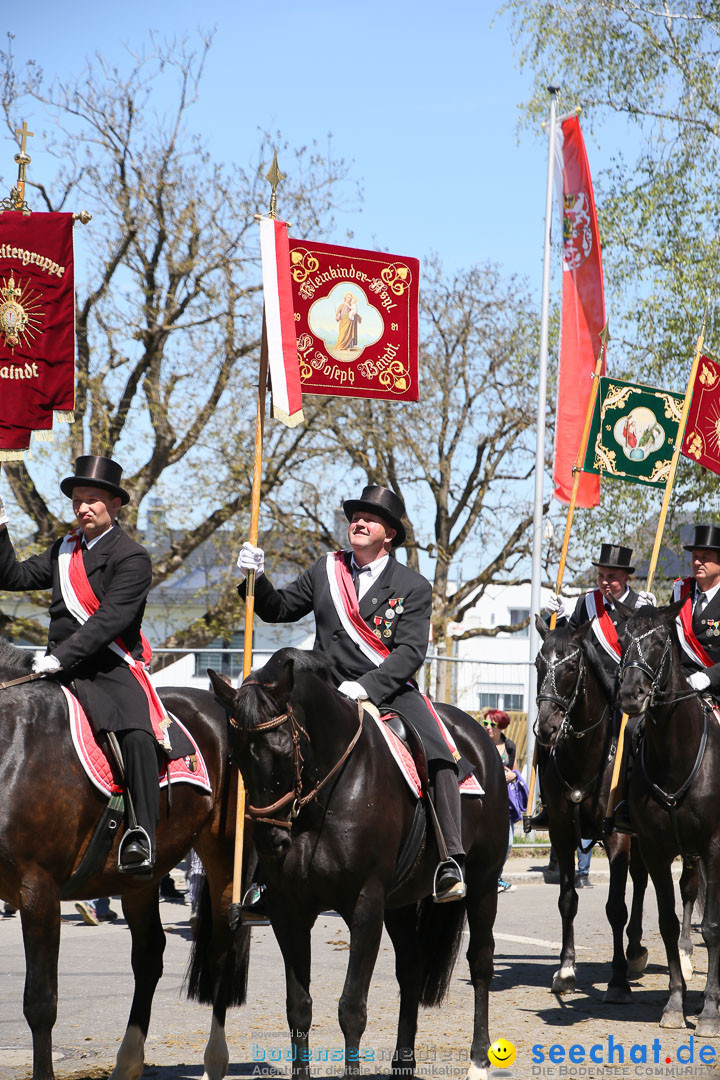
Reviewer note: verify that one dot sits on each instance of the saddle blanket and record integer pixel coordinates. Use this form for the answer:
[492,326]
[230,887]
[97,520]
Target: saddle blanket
[470,785]
[190,770]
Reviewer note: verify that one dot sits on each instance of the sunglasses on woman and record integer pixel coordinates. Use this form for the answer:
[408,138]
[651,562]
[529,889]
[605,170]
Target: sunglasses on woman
[489,723]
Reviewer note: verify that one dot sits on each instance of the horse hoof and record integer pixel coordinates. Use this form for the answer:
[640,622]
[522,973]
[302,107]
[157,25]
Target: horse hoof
[672,1020]
[475,1072]
[637,964]
[563,981]
[617,995]
[708,1027]
[686,966]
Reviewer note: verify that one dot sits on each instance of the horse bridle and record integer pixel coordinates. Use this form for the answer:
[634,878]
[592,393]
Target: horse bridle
[295,796]
[566,728]
[656,675]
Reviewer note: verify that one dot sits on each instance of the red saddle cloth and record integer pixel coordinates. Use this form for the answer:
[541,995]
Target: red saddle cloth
[190,770]
[470,785]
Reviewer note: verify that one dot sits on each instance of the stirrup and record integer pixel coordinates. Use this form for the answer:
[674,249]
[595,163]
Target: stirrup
[135,853]
[455,891]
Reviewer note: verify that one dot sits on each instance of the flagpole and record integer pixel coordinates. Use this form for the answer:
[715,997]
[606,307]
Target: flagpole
[535,593]
[577,470]
[615,781]
[274,177]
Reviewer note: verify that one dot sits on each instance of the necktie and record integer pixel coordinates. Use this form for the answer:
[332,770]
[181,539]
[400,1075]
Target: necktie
[700,602]
[357,571]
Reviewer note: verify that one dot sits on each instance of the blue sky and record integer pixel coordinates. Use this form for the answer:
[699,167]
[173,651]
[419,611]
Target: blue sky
[423,99]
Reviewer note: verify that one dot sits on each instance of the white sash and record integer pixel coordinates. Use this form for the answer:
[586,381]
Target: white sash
[685,643]
[72,601]
[597,628]
[347,623]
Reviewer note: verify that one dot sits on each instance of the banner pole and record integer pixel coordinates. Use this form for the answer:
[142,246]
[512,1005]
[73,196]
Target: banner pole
[536,576]
[274,176]
[615,781]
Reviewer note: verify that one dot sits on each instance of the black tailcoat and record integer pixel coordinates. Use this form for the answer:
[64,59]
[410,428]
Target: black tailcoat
[408,639]
[581,615]
[704,626]
[120,572]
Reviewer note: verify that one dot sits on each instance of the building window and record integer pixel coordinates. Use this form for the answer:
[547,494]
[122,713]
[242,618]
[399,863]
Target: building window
[502,700]
[489,701]
[517,614]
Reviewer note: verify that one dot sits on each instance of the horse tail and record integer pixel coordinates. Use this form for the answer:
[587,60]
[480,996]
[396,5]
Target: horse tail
[440,928]
[201,976]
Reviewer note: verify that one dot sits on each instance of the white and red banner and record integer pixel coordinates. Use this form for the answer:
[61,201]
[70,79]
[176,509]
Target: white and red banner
[583,310]
[280,322]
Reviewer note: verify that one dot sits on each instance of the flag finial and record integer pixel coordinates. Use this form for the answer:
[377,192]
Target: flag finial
[274,177]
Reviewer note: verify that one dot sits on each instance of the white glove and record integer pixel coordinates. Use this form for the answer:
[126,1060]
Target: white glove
[353,690]
[3,515]
[251,558]
[555,604]
[699,680]
[646,598]
[46,665]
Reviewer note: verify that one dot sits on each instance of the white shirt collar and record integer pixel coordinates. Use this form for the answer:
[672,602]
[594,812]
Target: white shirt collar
[709,593]
[370,573]
[93,542]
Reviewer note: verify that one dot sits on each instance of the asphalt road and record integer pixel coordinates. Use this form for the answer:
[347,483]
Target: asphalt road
[95,991]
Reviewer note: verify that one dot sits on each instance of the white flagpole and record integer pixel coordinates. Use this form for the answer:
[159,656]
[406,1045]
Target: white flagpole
[535,600]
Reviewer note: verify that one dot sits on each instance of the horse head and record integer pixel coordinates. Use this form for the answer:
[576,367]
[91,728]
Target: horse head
[647,641]
[561,677]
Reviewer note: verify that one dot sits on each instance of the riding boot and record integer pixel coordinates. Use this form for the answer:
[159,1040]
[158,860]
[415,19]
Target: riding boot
[449,880]
[140,760]
[620,820]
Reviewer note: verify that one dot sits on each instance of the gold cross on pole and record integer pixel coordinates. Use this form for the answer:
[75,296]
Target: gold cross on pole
[24,135]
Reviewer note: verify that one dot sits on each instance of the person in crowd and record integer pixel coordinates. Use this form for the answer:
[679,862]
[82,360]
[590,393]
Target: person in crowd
[495,722]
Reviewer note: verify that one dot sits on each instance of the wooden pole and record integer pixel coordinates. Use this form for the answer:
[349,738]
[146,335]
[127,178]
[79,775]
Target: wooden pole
[274,176]
[577,469]
[615,781]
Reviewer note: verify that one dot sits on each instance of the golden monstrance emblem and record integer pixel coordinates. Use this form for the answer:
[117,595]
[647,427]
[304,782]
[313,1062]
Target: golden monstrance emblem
[20,313]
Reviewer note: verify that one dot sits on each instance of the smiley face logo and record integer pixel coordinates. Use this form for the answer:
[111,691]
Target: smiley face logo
[501,1053]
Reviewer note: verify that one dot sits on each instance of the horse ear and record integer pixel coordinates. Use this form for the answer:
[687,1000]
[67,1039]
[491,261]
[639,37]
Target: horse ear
[623,610]
[222,689]
[542,627]
[670,611]
[580,632]
[286,681]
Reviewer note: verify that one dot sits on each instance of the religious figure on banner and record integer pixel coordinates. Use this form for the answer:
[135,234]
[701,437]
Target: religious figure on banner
[348,318]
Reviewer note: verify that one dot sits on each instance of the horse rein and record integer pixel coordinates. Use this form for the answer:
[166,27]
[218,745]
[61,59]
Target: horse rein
[259,813]
[656,676]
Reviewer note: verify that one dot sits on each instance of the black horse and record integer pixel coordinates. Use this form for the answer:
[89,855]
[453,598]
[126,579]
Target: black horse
[48,812]
[574,698]
[674,790]
[331,817]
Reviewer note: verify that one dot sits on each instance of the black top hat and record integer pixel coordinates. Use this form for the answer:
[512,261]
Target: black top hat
[706,536]
[383,502]
[615,557]
[93,471]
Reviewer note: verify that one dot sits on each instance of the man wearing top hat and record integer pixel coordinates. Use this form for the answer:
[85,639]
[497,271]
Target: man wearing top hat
[699,622]
[364,595]
[613,577]
[99,567]
[598,607]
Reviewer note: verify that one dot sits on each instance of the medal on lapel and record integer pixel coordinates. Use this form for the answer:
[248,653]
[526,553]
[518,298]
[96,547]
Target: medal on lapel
[378,623]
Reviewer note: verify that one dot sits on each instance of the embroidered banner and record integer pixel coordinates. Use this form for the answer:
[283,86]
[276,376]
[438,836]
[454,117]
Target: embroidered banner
[633,432]
[356,320]
[37,326]
[702,430]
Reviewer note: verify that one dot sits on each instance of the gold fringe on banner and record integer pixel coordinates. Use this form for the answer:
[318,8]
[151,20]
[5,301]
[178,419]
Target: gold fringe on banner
[43,436]
[12,455]
[64,417]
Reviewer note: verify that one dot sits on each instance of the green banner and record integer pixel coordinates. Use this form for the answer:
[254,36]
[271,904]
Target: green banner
[633,432]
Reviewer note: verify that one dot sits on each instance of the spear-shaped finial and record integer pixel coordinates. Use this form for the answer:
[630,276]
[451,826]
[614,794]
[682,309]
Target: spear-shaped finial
[274,177]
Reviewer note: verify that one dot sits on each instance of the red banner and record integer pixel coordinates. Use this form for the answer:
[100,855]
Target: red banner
[583,314]
[356,320]
[37,326]
[701,441]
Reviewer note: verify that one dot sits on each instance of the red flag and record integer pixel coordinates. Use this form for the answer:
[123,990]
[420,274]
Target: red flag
[583,312]
[280,323]
[37,326]
[701,441]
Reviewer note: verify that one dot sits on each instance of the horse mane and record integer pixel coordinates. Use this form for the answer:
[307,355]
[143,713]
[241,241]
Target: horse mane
[256,699]
[14,662]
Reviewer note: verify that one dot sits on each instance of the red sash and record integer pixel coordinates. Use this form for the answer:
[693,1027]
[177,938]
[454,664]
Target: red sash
[603,626]
[686,635]
[89,602]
